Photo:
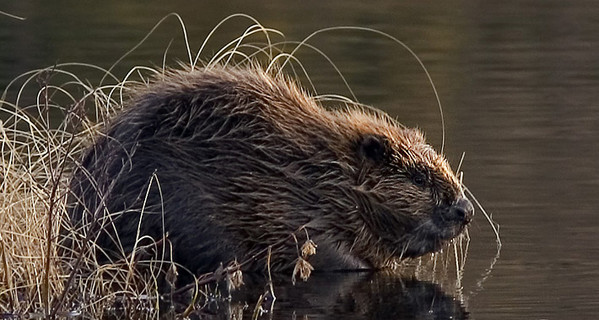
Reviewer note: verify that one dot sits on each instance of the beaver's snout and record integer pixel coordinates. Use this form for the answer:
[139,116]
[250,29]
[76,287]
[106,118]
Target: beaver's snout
[461,211]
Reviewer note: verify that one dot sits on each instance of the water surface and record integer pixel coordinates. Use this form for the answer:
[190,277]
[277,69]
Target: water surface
[518,81]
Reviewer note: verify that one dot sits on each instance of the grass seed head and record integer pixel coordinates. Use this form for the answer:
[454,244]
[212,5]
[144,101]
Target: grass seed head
[308,248]
[302,268]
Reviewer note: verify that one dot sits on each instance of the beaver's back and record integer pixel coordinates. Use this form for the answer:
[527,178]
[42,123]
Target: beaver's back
[184,152]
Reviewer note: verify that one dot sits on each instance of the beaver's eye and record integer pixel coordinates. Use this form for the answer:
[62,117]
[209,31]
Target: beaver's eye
[373,147]
[419,179]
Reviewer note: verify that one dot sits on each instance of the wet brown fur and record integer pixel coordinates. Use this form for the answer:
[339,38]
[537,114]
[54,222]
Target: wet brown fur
[244,157]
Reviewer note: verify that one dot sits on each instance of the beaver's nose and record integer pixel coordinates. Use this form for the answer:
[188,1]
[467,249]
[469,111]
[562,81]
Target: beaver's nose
[461,210]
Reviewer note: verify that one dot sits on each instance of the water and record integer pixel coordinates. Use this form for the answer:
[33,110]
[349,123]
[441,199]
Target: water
[518,81]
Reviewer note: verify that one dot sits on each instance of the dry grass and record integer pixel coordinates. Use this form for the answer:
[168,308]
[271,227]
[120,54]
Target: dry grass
[49,117]
[38,152]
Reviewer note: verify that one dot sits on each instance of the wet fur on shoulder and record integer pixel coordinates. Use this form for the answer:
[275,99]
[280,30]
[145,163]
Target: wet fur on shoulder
[241,158]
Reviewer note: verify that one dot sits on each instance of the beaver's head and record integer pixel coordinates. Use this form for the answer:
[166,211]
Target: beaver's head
[409,199]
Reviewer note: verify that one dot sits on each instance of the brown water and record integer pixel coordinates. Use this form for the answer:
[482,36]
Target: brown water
[519,85]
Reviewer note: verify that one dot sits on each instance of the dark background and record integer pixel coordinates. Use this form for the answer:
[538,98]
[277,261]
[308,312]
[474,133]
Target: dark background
[517,79]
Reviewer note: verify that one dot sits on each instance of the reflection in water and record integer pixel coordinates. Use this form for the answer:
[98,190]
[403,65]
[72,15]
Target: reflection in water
[341,296]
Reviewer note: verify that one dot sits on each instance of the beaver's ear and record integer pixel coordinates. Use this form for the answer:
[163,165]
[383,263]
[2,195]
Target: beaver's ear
[373,147]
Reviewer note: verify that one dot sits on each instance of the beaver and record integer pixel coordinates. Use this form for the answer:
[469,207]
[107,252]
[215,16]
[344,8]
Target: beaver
[230,160]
